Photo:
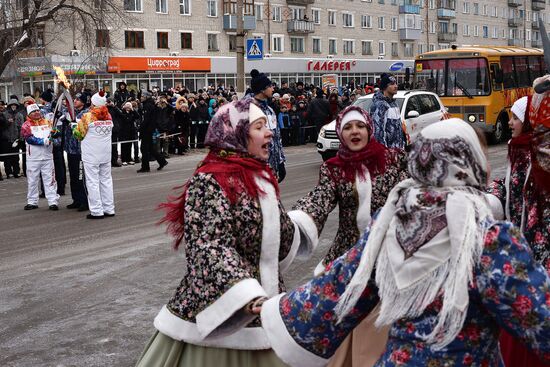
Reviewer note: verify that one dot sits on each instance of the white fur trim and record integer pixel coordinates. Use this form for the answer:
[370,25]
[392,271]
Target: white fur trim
[319,269]
[282,342]
[285,263]
[496,207]
[364,192]
[225,315]
[309,234]
[271,238]
[245,339]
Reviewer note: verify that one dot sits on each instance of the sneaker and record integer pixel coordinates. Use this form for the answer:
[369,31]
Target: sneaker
[89,216]
[143,170]
[30,207]
[108,215]
[124,163]
[131,163]
[73,205]
[83,208]
[162,166]
[53,207]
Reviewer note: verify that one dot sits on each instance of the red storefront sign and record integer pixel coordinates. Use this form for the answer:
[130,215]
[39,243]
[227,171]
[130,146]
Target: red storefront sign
[144,64]
[333,65]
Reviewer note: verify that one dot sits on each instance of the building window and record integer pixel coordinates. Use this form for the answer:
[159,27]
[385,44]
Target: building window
[495,32]
[381,48]
[485,10]
[476,31]
[232,42]
[431,47]
[494,12]
[381,23]
[212,8]
[185,7]
[394,49]
[466,7]
[277,43]
[366,47]
[162,6]
[259,9]
[316,42]
[431,4]
[347,19]
[466,30]
[331,17]
[476,8]
[380,1]
[297,44]
[421,48]
[298,13]
[409,49]
[102,38]
[162,40]
[348,47]
[332,47]
[432,27]
[212,42]
[99,4]
[133,5]
[186,40]
[366,21]
[394,23]
[316,16]
[276,14]
[133,39]
[485,31]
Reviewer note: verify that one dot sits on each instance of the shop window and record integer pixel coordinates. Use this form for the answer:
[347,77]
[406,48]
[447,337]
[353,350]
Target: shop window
[133,39]
[162,40]
[102,38]
[186,40]
[212,42]
[133,5]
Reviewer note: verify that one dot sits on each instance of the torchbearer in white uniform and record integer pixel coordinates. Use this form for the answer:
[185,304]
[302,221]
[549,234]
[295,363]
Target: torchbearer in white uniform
[38,134]
[94,131]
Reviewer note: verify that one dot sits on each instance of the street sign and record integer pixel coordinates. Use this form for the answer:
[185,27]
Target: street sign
[255,49]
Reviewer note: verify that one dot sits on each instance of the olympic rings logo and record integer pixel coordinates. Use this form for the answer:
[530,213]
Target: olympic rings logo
[103,130]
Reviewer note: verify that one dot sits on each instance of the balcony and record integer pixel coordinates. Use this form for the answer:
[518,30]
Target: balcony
[515,42]
[535,24]
[538,5]
[409,9]
[515,22]
[409,34]
[446,37]
[230,22]
[536,43]
[446,13]
[515,3]
[300,2]
[300,26]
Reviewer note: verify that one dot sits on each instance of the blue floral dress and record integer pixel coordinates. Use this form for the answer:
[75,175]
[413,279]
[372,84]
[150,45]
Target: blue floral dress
[510,291]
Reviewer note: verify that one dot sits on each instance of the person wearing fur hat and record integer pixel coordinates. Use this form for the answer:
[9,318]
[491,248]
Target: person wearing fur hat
[262,89]
[446,273]
[94,133]
[121,94]
[386,115]
[237,240]
[9,138]
[39,134]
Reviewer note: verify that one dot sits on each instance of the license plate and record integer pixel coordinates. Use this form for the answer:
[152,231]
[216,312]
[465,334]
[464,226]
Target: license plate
[335,145]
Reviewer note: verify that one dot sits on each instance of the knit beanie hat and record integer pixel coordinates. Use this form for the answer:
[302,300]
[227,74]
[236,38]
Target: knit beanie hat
[255,113]
[32,108]
[259,81]
[519,108]
[99,99]
[83,97]
[385,80]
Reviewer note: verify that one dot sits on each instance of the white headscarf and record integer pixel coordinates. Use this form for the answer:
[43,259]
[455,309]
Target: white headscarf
[430,233]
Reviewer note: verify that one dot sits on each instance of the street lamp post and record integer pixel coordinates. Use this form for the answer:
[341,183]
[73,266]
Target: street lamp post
[240,49]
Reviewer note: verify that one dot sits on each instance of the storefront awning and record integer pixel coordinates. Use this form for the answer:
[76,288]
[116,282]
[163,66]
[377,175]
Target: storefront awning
[154,64]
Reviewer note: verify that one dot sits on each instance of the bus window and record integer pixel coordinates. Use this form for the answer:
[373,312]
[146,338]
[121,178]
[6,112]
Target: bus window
[535,67]
[469,77]
[522,71]
[430,75]
[507,65]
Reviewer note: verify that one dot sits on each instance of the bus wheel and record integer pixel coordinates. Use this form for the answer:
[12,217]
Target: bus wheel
[497,136]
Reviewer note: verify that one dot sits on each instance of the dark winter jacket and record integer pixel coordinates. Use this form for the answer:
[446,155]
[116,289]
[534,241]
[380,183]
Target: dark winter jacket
[149,123]
[13,122]
[318,112]
[165,118]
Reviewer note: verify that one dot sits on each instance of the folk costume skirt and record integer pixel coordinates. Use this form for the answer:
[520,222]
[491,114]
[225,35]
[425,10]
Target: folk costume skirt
[163,351]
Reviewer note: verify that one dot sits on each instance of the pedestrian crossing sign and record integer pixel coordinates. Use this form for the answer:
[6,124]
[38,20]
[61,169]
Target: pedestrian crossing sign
[255,49]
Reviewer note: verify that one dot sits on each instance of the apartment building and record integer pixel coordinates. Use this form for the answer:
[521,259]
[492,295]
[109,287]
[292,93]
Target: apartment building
[166,43]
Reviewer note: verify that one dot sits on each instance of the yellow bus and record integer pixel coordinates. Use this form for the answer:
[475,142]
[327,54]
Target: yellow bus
[479,84]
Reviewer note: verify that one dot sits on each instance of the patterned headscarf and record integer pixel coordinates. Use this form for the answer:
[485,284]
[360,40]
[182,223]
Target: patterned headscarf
[539,115]
[429,234]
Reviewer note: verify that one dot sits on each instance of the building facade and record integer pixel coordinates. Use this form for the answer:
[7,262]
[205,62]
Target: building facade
[365,36]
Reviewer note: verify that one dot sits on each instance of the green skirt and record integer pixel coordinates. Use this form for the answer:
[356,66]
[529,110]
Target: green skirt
[163,351]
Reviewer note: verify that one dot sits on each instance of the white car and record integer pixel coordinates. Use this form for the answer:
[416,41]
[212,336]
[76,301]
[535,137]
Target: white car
[418,109]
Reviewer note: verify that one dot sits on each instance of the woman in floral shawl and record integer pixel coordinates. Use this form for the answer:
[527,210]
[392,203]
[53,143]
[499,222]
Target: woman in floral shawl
[448,276]
[358,180]
[237,238]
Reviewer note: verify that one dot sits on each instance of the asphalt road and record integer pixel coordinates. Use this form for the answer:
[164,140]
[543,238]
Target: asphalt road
[75,292]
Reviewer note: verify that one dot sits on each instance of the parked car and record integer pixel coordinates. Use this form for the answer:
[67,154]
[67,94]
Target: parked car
[418,109]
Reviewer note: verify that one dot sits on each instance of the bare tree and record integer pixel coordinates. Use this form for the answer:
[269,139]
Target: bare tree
[23,25]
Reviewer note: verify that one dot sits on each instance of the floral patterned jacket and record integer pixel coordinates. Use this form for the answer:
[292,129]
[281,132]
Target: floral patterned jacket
[333,190]
[234,253]
[509,291]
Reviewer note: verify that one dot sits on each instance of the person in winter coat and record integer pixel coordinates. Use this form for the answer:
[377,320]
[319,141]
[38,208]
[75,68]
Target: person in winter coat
[182,122]
[334,104]
[386,114]
[446,273]
[212,108]
[121,95]
[128,119]
[296,126]
[237,240]
[165,122]
[318,111]
[146,131]
[284,124]
[204,119]
[9,138]
[39,136]
[195,117]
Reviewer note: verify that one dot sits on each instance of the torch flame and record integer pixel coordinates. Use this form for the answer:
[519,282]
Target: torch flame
[61,78]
